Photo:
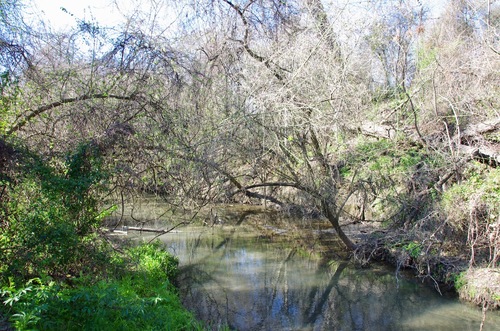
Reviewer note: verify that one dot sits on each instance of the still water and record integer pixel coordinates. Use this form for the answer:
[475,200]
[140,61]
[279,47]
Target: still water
[232,276]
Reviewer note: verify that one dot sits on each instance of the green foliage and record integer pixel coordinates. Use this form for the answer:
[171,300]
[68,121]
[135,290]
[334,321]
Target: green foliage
[50,217]
[140,297]
[426,57]
[50,214]
[386,157]
[479,192]
[493,136]
[9,97]
[460,280]
[393,173]
[373,158]
[414,249]
[154,261]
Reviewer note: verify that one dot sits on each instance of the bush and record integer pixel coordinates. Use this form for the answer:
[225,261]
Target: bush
[472,207]
[141,297]
[49,217]
[393,178]
[71,280]
[153,261]
[477,195]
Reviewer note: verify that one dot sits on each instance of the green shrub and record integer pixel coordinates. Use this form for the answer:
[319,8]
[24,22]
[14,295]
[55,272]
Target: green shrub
[141,297]
[414,249]
[152,260]
[393,176]
[478,194]
[460,280]
[50,216]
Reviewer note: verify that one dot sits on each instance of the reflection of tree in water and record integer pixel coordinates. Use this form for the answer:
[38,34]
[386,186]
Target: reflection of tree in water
[272,290]
[344,301]
[221,301]
[253,285]
[354,302]
[200,284]
[202,295]
[318,298]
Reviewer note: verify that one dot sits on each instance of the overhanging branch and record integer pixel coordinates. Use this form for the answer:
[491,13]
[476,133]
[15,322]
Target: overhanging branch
[40,110]
[273,184]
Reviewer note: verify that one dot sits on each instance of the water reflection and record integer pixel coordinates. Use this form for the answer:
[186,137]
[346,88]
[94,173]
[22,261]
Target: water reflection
[252,284]
[235,277]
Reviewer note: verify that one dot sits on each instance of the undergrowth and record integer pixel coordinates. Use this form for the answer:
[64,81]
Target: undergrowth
[56,270]
[139,296]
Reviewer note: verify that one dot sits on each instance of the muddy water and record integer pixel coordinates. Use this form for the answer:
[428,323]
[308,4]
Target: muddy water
[233,276]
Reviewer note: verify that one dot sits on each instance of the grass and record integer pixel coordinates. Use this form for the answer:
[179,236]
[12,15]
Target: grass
[139,297]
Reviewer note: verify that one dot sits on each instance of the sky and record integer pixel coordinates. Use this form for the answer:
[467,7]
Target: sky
[106,13]
[51,9]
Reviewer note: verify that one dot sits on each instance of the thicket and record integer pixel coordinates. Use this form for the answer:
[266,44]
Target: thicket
[57,271]
[137,295]
[50,214]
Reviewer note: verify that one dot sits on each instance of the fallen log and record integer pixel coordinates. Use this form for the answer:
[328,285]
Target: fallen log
[377,130]
[489,155]
[125,229]
[481,128]
[471,141]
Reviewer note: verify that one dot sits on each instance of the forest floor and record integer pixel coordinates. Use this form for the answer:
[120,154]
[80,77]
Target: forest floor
[4,324]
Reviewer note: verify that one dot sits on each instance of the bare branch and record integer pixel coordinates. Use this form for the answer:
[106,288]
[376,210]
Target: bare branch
[36,112]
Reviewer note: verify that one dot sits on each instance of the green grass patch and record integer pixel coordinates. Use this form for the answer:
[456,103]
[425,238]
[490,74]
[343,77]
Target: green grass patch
[138,297]
[478,194]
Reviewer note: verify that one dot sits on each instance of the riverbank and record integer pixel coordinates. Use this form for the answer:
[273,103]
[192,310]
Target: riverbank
[480,286]
[445,269]
[234,275]
[135,294]
[425,249]
[440,264]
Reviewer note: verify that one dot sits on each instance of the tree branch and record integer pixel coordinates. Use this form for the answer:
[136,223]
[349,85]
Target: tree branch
[319,14]
[40,110]
[247,48]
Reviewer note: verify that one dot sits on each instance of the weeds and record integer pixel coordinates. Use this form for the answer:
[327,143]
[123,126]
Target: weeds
[140,297]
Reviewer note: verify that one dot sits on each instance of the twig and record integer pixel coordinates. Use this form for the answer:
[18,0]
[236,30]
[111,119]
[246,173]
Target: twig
[169,230]
[485,308]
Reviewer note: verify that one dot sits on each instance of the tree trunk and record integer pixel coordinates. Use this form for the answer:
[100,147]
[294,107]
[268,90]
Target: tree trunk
[319,14]
[333,218]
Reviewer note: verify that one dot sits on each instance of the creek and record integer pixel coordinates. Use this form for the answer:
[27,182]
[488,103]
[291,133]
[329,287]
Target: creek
[232,275]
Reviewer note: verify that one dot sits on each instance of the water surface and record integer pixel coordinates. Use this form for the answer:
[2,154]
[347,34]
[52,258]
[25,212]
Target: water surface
[232,275]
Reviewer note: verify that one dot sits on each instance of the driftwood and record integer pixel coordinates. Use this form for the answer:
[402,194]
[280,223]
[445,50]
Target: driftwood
[125,229]
[488,154]
[481,128]
[473,142]
[376,130]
